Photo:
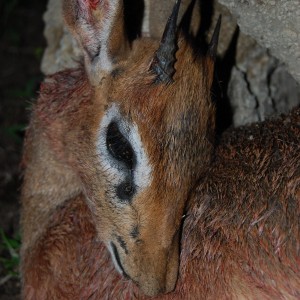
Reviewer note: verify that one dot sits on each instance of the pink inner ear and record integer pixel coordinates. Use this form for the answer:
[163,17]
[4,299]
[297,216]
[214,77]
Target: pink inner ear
[86,6]
[93,4]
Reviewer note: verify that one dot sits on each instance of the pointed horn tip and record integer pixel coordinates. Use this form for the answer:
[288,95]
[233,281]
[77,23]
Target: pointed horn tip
[218,25]
[163,64]
[177,3]
[174,14]
[212,48]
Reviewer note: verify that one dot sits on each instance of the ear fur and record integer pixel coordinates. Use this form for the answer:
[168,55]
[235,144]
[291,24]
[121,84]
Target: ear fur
[98,26]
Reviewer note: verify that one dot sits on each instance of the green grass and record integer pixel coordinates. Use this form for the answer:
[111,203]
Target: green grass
[15,132]
[10,257]
[28,91]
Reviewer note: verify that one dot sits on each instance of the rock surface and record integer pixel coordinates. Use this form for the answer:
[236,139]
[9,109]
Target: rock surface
[62,51]
[274,24]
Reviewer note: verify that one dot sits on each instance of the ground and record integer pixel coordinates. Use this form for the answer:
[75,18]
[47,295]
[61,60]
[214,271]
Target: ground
[21,49]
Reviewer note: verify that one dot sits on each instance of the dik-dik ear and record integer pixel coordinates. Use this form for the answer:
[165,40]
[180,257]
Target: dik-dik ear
[98,26]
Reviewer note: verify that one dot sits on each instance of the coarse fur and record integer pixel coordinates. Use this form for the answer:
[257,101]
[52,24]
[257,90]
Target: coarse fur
[243,229]
[241,237]
[69,152]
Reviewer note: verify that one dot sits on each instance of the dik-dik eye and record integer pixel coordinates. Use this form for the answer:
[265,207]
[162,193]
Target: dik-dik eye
[119,147]
[122,155]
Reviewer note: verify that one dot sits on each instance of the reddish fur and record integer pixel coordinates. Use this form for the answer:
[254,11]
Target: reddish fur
[93,4]
[69,259]
[247,211]
[240,238]
[57,101]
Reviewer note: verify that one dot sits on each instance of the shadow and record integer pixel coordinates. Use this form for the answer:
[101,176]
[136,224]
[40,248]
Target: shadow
[185,23]
[223,66]
[133,17]
[198,40]
[220,86]
[206,9]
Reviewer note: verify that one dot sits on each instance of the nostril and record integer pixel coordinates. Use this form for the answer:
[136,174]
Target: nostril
[117,260]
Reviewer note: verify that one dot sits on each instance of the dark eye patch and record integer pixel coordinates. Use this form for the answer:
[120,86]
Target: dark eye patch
[118,146]
[125,191]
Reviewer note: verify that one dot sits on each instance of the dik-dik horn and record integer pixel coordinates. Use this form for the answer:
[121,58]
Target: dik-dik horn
[131,130]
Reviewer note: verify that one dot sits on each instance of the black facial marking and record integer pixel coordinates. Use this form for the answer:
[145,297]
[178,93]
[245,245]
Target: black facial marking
[122,243]
[135,232]
[117,257]
[119,147]
[116,72]
[125,190]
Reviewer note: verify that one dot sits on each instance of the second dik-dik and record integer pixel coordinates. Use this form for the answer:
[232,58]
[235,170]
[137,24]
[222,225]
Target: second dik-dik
[130,131]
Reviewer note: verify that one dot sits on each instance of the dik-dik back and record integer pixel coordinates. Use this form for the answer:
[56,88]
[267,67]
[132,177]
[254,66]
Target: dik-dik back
[131,130]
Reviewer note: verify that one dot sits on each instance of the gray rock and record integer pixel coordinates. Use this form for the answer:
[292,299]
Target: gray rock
[261,87]
[284,91]
[62,50]
[244,112]
[274,24]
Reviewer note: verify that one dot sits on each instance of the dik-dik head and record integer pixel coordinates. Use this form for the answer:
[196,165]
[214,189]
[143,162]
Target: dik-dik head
[144,140]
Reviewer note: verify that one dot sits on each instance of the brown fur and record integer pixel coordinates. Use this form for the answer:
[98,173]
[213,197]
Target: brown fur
[240,238]
[175,122]
[244,226]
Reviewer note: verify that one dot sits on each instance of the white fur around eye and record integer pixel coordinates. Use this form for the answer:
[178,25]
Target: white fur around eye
[113,170]
[142,172]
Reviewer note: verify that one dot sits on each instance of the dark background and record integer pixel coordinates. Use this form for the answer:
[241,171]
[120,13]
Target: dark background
[21,49]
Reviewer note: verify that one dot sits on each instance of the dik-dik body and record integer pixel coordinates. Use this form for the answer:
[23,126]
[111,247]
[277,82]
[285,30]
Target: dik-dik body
[113,152]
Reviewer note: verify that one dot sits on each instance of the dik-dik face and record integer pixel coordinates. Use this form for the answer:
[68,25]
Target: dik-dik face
[149,138]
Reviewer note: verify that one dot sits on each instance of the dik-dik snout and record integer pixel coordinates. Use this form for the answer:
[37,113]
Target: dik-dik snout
[151,260]
[140,226]
[143,139]
[146,250]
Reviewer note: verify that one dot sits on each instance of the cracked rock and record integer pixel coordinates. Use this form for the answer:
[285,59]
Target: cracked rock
[260,87]
[273,24]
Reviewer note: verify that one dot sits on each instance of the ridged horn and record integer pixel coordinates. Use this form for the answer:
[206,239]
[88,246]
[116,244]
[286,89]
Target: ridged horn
[164,58]
[213,45]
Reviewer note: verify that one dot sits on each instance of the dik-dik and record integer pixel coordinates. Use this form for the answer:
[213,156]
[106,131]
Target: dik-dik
[130,130]
[113,152]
